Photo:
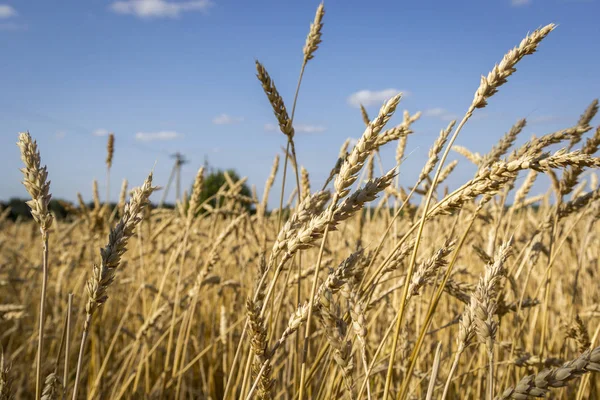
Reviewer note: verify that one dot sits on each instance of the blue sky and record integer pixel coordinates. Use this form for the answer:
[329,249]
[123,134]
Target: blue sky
[172,75]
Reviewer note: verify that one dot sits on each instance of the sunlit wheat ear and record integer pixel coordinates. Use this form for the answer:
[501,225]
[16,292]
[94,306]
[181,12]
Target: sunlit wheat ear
[584,123]
[571,176]
[364,115]
[314,35]
[305,183]
[483,300]
[365,145]
[308,208]
[194,203]
[400,131]
[499,74]
[344,148]
[445,173]
[475,158]
[123,195]
[525,188]
[104,275]
[35,180]
[400,149]
[285,123]
[428,269]
[434,151]
[503,145]
[268,185]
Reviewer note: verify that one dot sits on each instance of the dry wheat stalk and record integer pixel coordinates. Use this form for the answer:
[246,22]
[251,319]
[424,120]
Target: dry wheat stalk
[477,319]
[5,379]
[35,180]
[104,275]
[335,331]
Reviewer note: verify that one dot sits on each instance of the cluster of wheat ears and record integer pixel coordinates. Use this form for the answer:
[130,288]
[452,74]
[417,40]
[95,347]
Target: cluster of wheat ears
[481,292]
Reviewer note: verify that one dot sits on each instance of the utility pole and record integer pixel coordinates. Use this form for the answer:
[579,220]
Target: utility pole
[175,172]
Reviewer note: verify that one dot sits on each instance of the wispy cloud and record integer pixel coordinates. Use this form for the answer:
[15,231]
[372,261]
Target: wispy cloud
[158,8]
[372,97]
[101,132]
[440,113]
[300,128]
[60,134]
[7,11]
[13,26]
[152,136]
[226,119]
[543,119]
[520,3]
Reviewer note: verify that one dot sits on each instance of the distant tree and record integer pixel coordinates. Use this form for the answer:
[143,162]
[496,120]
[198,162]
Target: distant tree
[214,180]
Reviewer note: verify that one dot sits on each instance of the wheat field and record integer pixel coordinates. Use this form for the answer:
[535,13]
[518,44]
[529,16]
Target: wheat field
[367,288]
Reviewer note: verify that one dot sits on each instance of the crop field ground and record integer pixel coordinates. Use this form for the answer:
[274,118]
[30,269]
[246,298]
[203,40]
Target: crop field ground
[367,288]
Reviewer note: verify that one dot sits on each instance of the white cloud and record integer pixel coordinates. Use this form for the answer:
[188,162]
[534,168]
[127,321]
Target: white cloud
[271,127]
[101,132]
[7,11]
[61,134]
[162,135]
[158,8]
[301,128]
[309,128]
[520,3]
[226,119]
[440,113]
[372,97]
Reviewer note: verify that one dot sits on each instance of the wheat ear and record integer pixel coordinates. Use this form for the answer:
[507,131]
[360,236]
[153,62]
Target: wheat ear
[35,180]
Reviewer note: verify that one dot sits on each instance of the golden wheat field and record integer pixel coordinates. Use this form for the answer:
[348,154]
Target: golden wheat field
[367,288]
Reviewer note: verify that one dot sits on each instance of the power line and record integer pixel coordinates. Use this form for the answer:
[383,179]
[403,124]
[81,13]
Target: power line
[175,172]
